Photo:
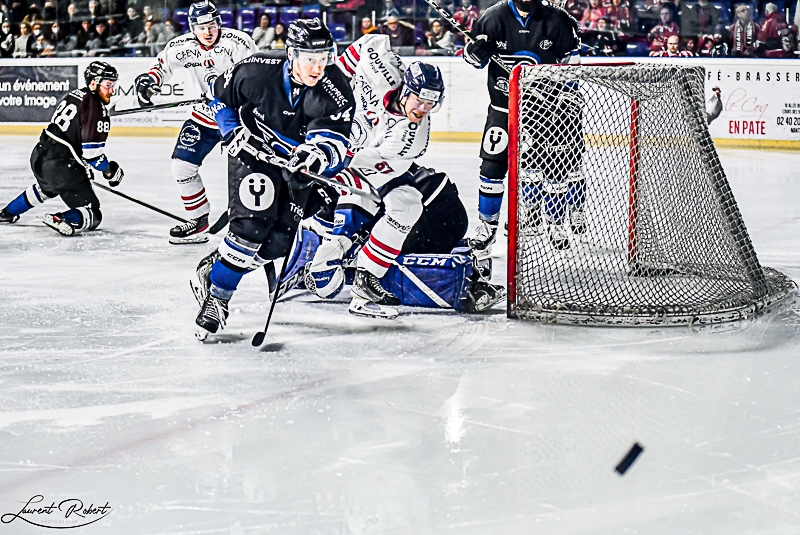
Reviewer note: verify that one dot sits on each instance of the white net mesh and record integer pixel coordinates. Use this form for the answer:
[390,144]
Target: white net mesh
[624,214]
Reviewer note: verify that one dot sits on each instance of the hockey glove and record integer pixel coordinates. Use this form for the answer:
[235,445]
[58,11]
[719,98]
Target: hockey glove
[113,174]
[479,52]
[309,157]
[146,87]
[247,148]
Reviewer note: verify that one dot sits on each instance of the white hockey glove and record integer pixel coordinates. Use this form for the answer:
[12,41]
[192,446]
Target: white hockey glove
[309,157]
[113,174]
[146,88]
[248,148]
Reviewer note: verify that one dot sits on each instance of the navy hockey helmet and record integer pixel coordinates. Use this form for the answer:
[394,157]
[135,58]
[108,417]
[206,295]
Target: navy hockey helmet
[309,35]
[425,81]
[203,13]
[99,71]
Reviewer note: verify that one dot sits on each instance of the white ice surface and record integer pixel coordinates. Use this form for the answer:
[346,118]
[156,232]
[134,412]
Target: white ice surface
[434,423]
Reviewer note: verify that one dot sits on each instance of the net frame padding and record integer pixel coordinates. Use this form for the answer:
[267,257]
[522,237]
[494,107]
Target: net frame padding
[628,147]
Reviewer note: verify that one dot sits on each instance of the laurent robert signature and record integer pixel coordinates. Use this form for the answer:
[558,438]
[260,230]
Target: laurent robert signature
[69,513]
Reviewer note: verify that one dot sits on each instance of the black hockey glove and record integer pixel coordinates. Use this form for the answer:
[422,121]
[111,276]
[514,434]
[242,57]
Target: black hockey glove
[310,157]
[146,87]
[113,174]
[479,52]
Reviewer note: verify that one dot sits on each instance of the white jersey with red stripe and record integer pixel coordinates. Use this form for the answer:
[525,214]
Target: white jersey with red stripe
[384,144]
[203,62]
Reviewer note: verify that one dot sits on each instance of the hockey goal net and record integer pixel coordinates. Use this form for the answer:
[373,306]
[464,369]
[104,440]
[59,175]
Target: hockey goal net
[620,211]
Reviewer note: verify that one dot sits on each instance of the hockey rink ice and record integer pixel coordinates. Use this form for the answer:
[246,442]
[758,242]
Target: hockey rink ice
[434,423]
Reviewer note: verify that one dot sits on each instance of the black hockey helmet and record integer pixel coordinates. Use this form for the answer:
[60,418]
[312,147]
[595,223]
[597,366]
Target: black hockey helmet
[203,13]
[99,71]
[309,35]
[425,81]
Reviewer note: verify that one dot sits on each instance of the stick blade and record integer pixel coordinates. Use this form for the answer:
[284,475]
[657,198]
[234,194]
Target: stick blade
[258,339]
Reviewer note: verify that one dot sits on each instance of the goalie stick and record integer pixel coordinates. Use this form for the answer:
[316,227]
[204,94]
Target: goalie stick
[113,112]
[466,33]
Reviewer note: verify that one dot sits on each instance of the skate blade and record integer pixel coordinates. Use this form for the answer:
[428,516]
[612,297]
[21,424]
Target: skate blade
[63,228]
[201,334]
[198,289]
[362,307]
[482,306]
[198,238]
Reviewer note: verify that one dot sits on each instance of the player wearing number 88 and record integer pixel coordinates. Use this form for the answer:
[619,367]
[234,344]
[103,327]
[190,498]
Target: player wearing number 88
[71,145]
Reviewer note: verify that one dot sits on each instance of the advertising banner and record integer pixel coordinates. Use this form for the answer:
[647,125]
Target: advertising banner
[30,93]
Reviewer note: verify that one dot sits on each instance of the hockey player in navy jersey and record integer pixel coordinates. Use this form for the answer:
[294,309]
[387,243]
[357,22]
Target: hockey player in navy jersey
[278,118]
[71,145]
[206,51]
[520,31]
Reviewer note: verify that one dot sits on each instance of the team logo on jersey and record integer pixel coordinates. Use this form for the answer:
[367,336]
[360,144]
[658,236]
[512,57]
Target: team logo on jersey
[495,140]
[545,44]
[189,135]
[502,85]
[256,192]
[208,63]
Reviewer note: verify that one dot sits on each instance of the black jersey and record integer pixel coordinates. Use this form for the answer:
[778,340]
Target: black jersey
[548,35]
[286,114]
[81,122]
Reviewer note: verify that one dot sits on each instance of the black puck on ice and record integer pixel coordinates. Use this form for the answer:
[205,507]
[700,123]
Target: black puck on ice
[629,459]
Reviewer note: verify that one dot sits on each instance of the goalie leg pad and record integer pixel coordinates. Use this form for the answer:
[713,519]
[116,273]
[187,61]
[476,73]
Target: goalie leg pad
[555,201]
[325,273]
[446,277]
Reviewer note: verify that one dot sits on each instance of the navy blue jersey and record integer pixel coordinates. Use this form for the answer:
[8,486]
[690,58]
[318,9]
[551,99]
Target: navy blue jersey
[81,122]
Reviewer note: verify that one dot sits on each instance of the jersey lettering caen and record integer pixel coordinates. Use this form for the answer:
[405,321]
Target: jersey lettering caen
[204,63]
[548,35]
[384,144]
[81,124]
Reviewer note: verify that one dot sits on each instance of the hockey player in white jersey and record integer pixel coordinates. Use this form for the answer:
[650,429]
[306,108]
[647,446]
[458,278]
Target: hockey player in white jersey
[206,51]
[391,128]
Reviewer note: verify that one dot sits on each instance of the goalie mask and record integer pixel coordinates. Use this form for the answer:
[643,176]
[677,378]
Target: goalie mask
[308,41]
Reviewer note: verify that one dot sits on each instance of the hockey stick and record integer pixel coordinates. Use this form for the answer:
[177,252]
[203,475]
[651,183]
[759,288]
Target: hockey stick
[137,201]
[466,33]
[113,112]
[258,339]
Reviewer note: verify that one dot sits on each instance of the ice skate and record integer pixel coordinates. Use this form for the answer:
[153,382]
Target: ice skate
[559,238]
[193,231]
[212,317]
[486,295]
[7,218]
[59,224]
[485,235]
[577,220]
[371,299]
[201,281]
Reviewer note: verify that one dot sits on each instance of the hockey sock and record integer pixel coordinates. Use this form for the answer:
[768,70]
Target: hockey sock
[193,193]
[490,198]
[33,196]
[236,259]
[555,201]
[81,218]
[225,279]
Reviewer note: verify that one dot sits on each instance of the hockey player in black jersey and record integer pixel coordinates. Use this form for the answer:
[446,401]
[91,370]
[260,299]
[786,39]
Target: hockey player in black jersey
[519,31]
[278,118]
[71,145]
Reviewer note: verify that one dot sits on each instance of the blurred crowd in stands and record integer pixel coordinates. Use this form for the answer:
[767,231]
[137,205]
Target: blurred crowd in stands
[664,28]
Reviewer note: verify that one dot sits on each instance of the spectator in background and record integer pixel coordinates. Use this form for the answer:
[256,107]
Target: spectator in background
[716,45]
[264,34]
[744,33]
[23,43]
[6,40]
[280,37]
[171,31]
[673,49]
[115,29]
[620,17]
[56,35]
[699,19]
[603,41]
[774,33]
[42,48]
[389,10]
[400,34]
[33,14]
[367,26]
[657,38]
[576,8]
[134,23]
[36,30]
[592,14]
[73,22]
[443,36]
[85,34]
[149,36]
[100,41]
[50,12]
[95,12]
[467,14]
